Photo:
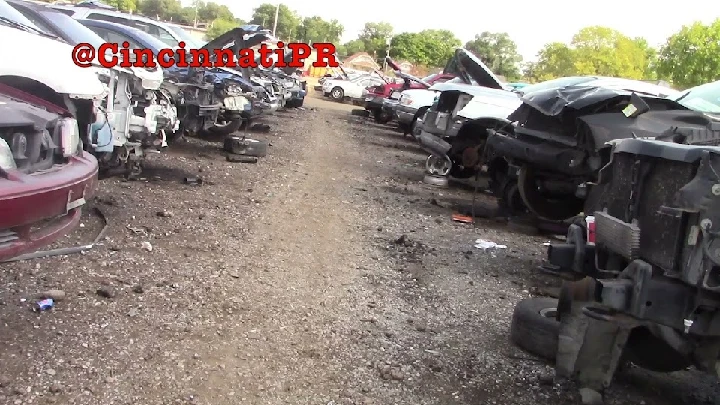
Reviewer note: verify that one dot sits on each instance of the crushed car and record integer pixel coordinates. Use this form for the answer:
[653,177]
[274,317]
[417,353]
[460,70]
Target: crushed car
[46,177]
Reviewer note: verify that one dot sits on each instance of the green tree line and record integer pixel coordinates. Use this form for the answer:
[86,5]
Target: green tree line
[688,58]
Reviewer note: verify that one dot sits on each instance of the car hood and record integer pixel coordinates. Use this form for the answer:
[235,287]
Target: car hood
[469,67]
[235,38]
[553,102]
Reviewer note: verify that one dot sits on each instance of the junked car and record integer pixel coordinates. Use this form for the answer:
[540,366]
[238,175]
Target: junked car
[45,176]
[140,117]
[196,100]
[340,90]
[549,148]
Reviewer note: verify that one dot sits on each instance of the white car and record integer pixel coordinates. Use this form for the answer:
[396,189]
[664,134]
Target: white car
[339,90]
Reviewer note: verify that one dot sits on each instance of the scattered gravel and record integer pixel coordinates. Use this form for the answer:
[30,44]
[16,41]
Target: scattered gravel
[327,273]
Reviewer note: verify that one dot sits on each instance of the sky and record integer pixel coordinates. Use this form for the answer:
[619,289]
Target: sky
[531,24]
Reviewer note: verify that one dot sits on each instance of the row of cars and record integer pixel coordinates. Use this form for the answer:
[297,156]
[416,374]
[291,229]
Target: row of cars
[62,125]
[633,169]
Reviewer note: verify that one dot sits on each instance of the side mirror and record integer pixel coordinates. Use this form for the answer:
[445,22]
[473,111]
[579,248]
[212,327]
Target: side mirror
[637,107]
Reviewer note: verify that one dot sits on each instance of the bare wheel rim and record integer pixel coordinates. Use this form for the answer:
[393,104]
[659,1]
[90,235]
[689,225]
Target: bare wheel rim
[438,166]
[337,93]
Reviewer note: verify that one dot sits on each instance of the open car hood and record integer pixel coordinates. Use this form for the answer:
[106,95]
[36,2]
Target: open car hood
[471,69]
[235,38]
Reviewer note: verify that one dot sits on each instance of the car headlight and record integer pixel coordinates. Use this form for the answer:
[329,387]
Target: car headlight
[7,162]
[405,100]
[69,136]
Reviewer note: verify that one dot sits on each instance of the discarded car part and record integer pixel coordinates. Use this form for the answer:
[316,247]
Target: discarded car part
[653,296]
[434,180]
[70,250]
[241,158]
[534,327]
[45,176]
[193,180]
[245,146]
[438,166]
[226,127]
[360,112]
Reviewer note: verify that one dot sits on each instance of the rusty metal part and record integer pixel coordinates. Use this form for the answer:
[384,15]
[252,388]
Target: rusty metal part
[471,156]
[583,290]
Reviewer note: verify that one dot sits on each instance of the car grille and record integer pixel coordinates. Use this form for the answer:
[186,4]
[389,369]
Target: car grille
[34,151]
[8,237]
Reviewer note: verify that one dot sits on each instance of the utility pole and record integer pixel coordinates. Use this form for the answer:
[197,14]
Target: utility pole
[197,2]
[277,12]
[387,53]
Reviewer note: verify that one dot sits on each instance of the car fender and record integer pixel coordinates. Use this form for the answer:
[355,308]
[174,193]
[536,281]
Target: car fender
[59,72]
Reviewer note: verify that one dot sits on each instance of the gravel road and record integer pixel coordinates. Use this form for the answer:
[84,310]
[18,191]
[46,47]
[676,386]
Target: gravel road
[327,273]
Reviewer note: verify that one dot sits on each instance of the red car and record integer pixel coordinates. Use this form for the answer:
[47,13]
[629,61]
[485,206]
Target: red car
[377,94]
[45,176]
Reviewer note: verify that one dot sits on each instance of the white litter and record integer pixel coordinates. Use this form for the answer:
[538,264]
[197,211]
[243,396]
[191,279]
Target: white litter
[486,244]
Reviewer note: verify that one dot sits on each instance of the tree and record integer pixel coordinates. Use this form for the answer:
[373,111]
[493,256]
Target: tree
[351,47]
[554,60]
[164,9]
[690,56]
[596,51]
[287,24]
[219,27]
[123,5]
[498,51]
[427,47]
[315,29]
[607,52]
[374,37]
[212,11]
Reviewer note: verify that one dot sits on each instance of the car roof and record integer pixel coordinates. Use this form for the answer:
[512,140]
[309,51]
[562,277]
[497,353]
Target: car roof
[134,33]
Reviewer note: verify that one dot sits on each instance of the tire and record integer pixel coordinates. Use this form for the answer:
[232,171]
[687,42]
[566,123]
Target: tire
[534,327]
[552,209]
[337,94]
[381,117]
[227,128]
[294,103]
[360,112]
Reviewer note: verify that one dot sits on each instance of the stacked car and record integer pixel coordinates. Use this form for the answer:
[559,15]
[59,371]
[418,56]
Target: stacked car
[62,125]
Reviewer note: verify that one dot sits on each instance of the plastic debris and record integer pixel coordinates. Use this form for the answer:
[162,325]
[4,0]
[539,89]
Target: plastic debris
[486,244]
[465,219]
[44,305]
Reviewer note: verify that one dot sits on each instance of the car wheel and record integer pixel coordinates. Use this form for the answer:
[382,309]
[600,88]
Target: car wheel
[226,127]
[534,327]
[337,94]
[555,208]
[382,117]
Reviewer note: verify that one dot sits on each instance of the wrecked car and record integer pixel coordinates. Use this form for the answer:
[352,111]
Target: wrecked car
[380,100]
[476,138]
[340,90]
[198,106]
[45,176]
[138,116]
[643,262]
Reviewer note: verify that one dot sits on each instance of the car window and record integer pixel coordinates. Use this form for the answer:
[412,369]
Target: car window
[185,36]
[64,11]
[704,98]
[34,19]
[112,36]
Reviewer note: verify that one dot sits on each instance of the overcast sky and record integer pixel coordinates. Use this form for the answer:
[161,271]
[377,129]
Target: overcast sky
[531,24]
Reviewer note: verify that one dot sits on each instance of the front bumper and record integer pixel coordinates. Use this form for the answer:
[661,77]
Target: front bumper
[298,95]
[373,102]
[42,207]
[405,114]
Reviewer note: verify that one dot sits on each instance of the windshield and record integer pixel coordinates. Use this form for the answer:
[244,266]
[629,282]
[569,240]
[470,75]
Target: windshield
[15,16]
[189,40]
[556,83]
[73,30]
[704,98]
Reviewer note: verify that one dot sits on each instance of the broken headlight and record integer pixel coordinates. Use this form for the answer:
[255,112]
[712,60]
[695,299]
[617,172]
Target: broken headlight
[69,136]
[6,156]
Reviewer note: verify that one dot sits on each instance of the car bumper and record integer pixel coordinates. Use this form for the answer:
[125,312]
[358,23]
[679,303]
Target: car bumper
[405,114]
[41,208]
[298,95]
